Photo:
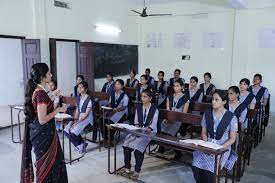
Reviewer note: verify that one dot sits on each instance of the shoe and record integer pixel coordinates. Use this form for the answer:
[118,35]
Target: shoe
[135,176]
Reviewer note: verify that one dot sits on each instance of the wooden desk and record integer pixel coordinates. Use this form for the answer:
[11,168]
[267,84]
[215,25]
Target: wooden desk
[171,141]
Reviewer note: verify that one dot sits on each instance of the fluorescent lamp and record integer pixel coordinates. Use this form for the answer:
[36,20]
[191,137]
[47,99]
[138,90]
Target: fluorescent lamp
[107,29]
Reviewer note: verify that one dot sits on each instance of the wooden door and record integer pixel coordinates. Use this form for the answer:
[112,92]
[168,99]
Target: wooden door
[85,62]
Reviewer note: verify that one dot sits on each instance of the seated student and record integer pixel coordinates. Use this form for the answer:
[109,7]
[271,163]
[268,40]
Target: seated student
[207,87]
[150,80]
[235,106]
[245,96]
[79,78]
[146,117]
[119,102]
[261,93]
[54,95]
[177,73]
[178,101]
[83,116]
[219,126]
[132,81]
[142,86]
[160,88]
[109,86]
[195,93]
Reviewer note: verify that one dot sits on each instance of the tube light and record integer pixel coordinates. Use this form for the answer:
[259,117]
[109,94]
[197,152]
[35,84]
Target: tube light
[107,29]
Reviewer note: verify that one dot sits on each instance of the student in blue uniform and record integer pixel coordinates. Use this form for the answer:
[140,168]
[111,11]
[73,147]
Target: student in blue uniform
[79,78]
[132,82]
[235,106]
[207,87]
[83,116]
[261,93]
[150,80]
[160,89]
[219,126]
[245,96]
[142,86]
[146,117]
[179,101]
[119,102]
[109,86]
[177,73]
[195,93]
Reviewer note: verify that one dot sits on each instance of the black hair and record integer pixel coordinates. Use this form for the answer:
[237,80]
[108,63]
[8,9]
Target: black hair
[207,74]
[258,76]
[195,78]
[148,92]
[177,70]
[80,76]
[133,71]
[161,72]
[223,94]
[179,81]
[144,76]
[148,70]
[110,74]
[38,71]
[84,84]
[54,82]
[245,80]
[120,81]
[235,89]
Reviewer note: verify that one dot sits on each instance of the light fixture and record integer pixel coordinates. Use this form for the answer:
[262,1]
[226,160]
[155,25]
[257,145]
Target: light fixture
[107,29]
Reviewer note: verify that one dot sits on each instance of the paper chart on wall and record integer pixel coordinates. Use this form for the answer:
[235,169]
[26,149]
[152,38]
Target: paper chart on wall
[154,40]
[213,40]
[182,40]
[267,38]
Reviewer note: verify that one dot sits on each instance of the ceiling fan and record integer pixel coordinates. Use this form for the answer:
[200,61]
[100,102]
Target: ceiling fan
[144,12]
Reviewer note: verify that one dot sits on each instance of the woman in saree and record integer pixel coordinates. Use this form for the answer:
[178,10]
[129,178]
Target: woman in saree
[40,132]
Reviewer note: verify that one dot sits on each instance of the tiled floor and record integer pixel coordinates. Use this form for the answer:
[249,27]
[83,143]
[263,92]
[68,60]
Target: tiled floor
[93,168]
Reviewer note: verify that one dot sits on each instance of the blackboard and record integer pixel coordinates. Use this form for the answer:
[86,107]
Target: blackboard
[115,58]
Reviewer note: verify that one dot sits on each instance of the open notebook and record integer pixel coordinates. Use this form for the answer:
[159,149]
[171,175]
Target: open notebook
[126,126]
[202,143]
[62,116]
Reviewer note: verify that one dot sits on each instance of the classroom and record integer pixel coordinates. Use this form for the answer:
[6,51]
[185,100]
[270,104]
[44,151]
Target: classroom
[120,91]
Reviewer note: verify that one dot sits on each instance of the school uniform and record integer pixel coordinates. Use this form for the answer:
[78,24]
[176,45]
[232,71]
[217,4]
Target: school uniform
[248,99]
[140,89]
[218,132]
[240,112]
[75,91]
[196,95]
[144,118]
[109,88]
[177,104]
[260,93]
[131,83]
[82,104]
[161,90]
[151,81]
[207,89]
[172,81]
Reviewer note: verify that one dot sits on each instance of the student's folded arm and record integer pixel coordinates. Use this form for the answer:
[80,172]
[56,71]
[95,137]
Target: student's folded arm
[231,140]
[204,134]
[167,105]
[186,107]
[86,114]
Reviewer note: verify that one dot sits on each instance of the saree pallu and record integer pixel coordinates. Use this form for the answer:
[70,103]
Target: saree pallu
[50,165]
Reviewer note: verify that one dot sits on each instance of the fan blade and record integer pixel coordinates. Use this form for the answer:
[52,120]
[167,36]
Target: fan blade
[136,12]
[151,15]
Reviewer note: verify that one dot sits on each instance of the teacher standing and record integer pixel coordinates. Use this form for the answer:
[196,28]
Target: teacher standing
[40,132]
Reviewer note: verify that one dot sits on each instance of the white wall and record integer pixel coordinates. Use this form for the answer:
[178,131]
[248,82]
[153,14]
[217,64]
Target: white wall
[66,66]
[241,49]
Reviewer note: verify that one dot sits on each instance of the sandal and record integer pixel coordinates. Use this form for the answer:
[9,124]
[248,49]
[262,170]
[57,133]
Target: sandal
[123,171]
[135,176]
